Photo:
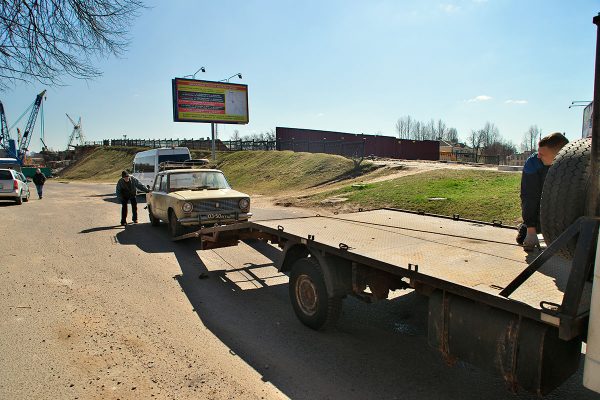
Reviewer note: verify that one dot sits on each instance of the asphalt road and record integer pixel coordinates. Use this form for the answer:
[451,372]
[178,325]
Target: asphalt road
[89,309]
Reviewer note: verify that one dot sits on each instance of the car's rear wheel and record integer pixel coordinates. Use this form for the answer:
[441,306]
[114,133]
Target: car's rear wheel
[19,199]
[26,199]
[175,228]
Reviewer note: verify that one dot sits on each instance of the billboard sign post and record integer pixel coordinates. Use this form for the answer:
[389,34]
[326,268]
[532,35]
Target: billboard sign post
[209,102]
[586,130]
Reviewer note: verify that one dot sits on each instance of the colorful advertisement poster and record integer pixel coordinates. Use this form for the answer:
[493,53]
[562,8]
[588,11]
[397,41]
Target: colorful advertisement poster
[207,101]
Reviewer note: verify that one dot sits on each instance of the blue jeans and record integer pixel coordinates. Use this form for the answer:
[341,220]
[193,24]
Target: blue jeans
[39,190]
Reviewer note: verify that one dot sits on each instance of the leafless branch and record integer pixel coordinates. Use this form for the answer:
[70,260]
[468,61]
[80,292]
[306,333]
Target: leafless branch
[46,40]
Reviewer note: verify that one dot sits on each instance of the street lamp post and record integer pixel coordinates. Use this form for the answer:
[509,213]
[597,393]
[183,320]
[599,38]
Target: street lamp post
[213,126]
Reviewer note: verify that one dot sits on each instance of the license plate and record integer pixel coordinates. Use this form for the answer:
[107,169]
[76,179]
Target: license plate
[217,216]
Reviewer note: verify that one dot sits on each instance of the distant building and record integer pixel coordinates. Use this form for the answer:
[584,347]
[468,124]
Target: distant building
[348,144]
[518,159]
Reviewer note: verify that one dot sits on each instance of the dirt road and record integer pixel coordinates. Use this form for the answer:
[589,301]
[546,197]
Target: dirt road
[92,310]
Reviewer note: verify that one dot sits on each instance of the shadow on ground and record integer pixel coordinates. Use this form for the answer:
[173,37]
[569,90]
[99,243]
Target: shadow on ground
[376,351]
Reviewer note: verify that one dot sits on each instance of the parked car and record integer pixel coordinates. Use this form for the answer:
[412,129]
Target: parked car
[192,198]
[13,186]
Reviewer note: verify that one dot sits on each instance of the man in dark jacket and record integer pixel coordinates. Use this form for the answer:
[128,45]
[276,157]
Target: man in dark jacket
[39,179]
[126,192]
[532,182]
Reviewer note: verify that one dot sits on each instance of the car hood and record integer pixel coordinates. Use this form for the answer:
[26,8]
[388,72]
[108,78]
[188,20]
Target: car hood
[190,195]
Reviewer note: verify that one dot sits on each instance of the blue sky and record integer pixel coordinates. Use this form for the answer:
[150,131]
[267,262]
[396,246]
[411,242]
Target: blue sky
[351,66]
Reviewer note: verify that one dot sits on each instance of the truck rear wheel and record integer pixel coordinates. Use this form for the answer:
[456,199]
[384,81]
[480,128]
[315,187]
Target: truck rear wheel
[308,293]
[565,192]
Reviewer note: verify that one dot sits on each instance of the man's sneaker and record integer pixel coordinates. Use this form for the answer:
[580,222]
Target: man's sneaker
[123,223]
[135,221]
[522,233]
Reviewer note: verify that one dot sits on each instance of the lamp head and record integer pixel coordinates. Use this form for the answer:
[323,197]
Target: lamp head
[203,69]
[239,76]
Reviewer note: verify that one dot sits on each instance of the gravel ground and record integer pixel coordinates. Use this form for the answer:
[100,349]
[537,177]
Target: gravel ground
[91,310]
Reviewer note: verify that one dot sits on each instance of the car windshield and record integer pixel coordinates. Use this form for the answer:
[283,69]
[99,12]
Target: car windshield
[198,180]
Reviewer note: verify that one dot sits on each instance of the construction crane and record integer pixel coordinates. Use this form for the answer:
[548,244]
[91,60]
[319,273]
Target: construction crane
[4,135]
[27,133]
[77,134]
[12,148]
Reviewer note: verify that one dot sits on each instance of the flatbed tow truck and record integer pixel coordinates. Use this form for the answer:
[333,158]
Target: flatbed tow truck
[523,316]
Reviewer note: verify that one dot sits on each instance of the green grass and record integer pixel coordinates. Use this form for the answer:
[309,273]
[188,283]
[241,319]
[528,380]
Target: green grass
[255,172]
[277,172]
[481,195]
[103,164]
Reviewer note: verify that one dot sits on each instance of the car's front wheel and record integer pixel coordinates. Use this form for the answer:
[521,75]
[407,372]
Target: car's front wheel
[153,220]
[175,228]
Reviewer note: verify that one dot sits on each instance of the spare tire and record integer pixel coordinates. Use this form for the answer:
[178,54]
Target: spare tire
[565,192]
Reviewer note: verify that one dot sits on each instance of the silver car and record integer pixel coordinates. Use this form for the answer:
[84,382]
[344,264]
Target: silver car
[13,186]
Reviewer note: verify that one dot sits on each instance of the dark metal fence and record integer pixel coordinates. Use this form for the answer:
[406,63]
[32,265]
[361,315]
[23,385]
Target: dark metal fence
[340,147]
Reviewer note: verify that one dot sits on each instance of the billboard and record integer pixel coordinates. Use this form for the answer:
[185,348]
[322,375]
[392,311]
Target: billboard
[208,101]
[586,130]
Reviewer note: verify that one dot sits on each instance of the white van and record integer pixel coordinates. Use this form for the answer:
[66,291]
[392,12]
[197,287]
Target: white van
[145,163]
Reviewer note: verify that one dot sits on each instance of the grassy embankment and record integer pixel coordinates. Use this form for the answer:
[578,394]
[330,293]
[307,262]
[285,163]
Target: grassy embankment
[101,165]
[481,195]
[256,172]
[278,172]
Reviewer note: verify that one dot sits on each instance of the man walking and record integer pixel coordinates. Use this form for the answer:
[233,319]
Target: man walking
[532,181]
[126,192]
[39,179]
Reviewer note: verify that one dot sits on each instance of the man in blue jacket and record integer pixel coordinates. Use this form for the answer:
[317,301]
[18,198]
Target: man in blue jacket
[532,181]
[126,192]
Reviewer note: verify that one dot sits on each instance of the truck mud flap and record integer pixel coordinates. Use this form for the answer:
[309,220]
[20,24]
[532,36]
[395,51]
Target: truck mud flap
[526,353]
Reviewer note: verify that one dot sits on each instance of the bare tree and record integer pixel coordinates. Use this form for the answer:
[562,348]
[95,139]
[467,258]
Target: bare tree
[44,40]
[475,140]
[404,127]
[441,130]
[490,134]
[236,135]
[417,132]
[531,139]
[429,130]
[451,135]
[409,128]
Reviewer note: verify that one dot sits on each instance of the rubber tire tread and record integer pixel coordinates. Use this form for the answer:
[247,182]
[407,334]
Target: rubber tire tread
[565,192]
[175,228]
[19,199]
[153,220]
[327,313]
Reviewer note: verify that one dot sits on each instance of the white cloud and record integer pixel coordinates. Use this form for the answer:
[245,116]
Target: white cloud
[479,98]
[449,8]
[480,1]
[319,115]
[516,101]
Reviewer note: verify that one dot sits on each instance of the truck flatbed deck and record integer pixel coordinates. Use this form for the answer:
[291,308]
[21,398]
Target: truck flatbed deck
[490,302]
[467,257]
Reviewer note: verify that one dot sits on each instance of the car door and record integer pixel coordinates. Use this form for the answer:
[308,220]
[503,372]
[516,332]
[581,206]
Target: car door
[159,193]
[24,184]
